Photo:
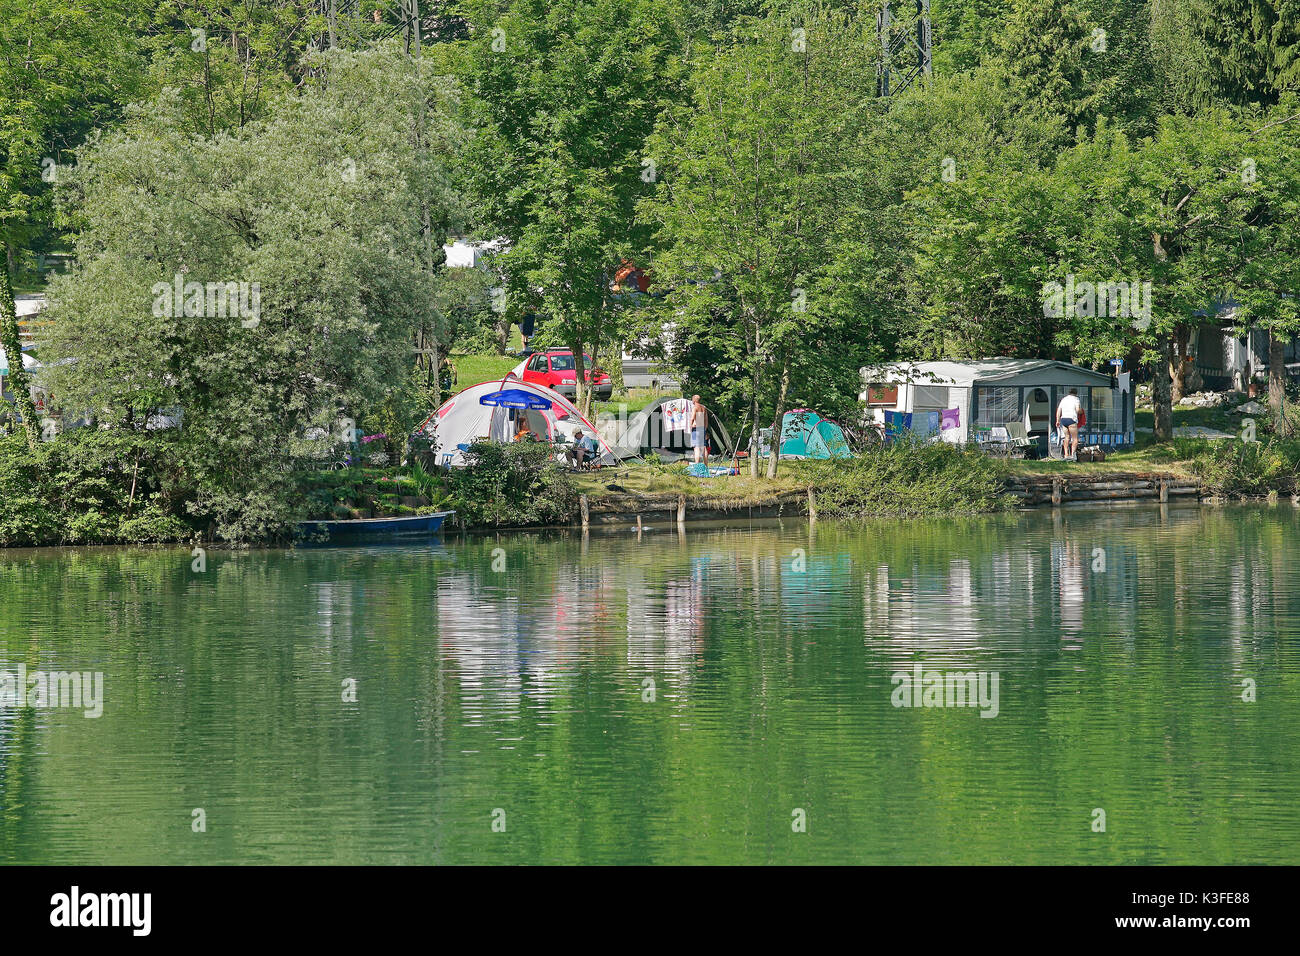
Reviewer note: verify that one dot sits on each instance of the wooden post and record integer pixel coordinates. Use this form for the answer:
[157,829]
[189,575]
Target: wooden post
[1164,490]
[638,524]
[812,504]
[586,514]
[1057,484]
[681,511]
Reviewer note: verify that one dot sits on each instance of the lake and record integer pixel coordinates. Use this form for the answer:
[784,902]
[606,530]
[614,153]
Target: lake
[1084,686]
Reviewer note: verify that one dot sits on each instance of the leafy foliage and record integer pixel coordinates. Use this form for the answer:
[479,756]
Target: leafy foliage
[908,478]
[513,485]
[89,487]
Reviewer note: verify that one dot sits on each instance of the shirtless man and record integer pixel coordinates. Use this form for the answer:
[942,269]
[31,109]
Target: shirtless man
[698,423]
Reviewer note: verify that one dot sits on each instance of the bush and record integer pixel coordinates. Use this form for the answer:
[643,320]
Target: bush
[1248,469]
[512,485]
[88,487]
[908,478]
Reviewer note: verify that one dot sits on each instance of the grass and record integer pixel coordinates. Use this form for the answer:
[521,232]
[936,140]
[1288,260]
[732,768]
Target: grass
[1146,457]
[472,369]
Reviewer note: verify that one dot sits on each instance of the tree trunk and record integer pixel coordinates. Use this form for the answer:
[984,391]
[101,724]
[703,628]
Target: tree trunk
[754,443]
[1277,384]
[1161,404]
[14,352]
[582,394]
[780,413]
[503,334]
[1178,363]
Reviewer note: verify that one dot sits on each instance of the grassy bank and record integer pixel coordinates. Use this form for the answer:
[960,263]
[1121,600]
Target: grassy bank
[106,487]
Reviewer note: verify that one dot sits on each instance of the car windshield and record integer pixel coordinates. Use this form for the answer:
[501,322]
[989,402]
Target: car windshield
[562,363]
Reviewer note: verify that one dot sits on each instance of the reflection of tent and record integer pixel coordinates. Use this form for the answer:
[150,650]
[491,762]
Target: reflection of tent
[660,428]
[464,419]
[805,434]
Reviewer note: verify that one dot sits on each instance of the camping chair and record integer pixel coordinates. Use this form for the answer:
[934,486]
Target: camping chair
[1019,440]
[995,441]
[735,453]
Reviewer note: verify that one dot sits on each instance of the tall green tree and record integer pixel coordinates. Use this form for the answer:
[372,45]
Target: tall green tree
[765,198]
[565,93]
[9,341]
[321,205]
[66,66]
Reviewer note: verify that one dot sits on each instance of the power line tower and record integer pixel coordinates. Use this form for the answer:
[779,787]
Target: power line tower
[350,23]
[904,46]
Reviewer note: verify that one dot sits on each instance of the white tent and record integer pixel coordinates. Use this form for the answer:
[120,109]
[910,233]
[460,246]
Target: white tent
[463,419]
[29,363]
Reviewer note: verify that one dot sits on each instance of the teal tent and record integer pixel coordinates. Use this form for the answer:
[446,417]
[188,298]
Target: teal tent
[805,434]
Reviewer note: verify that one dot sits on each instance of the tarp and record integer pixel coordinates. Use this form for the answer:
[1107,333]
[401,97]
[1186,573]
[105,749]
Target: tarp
[462,420]
[654,431]
[805,434]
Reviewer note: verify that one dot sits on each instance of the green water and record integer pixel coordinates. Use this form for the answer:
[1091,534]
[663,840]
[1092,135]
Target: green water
[771,650]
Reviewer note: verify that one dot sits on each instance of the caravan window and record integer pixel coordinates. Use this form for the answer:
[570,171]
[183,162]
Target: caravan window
[1104,414]
[929,398]
[998,405]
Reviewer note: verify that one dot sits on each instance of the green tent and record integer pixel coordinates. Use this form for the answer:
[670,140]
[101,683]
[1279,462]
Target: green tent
[805,434]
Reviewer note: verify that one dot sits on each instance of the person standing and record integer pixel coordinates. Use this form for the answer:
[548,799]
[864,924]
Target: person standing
[1067,424]
[698,423]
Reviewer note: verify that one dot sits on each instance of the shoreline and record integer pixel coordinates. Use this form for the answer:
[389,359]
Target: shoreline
[1033,491]
[666,510]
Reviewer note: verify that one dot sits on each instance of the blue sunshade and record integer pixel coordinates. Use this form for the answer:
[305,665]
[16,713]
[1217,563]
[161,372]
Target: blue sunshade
[515,398]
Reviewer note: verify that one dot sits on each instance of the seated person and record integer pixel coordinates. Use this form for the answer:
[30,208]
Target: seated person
[587,448]
[524,433]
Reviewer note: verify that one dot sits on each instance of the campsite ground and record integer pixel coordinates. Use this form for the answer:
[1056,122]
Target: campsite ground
[640,480]
[653,480]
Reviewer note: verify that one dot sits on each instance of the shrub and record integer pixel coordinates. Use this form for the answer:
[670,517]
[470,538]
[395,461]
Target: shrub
[909,478]
[1248,469]
[515,484]
[88,487]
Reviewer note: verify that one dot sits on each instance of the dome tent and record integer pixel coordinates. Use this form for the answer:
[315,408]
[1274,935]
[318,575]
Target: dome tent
[805,434]
[466,418]
[659,429]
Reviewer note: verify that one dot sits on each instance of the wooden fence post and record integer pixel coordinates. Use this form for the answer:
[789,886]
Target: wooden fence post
[586,514]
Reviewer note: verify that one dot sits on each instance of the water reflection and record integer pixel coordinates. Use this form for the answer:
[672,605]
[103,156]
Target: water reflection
[512,673]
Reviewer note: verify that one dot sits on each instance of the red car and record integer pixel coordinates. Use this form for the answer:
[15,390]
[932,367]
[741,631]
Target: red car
[554,369]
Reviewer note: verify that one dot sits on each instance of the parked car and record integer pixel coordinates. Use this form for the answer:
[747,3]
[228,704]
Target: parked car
[555,370]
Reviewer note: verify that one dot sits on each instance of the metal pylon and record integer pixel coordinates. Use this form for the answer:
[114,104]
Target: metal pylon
[904,46]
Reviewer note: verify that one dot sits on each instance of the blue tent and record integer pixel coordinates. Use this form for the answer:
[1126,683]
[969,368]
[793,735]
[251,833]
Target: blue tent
[805,434]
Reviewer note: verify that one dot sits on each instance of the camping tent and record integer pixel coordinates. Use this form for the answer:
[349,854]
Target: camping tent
[490,410]
[805,434]
[660,429]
